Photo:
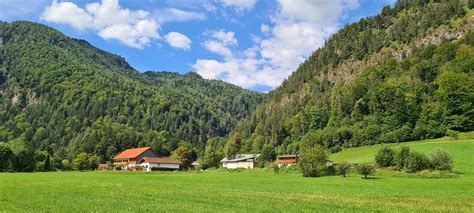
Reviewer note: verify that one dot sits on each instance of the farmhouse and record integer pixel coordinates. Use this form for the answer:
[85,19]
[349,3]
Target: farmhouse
[152,163]
[247,161]
[287,160]
[130,158]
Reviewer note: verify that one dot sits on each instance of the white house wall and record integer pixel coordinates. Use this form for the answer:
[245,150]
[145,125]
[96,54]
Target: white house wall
[241,164]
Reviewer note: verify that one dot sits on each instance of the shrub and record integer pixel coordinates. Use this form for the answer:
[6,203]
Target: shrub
[452,134]
[343,168]
[366,169]
[385,157]
[401,156]
[416,162]
[441,160]
[328,170]
[94,162]
[65,165]
[119,168]
[6,158]
[312,159]
[275,167]
[81,162]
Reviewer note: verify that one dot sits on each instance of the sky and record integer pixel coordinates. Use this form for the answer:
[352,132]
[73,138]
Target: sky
[255,44]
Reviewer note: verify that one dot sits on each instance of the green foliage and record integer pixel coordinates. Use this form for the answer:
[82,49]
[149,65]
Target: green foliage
[365,169]
[6,158]
[441,160]
[81,162]
[417,161]
[213,153]
[94,162]
[312,159]
[275,167]
[185,155]
[233,146]
[343,168]
[267,155]
[65,165]
[401,156]
[386,157]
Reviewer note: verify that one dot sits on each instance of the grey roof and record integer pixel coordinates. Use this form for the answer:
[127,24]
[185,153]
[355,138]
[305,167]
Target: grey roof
[241,157]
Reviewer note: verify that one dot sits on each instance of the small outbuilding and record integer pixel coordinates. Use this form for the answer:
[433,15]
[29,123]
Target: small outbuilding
[246,161]
[156,164]
[287,160]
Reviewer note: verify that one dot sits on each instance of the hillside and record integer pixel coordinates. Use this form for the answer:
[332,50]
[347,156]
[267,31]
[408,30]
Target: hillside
[65,96]
[405,74]
[460,149]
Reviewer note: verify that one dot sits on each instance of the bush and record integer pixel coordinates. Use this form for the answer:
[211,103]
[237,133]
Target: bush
[441,160]
[366,169]
[81,162]
[416,162]
[65,165]
[94,162]
[119,168]
[385,157]
[452,134]
[343,168]
[401,156]
[328,170]
[6,158]
[275,167]
[312,159]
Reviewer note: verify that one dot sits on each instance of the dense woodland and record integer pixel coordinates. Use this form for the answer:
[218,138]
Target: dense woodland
[405,74]
[63,97]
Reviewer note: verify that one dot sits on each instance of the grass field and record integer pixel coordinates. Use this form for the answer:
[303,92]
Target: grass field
[250,190]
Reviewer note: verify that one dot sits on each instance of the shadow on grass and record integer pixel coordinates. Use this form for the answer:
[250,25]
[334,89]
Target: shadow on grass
[370,178]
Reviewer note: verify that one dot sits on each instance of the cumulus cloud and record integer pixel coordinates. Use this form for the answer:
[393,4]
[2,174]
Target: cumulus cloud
[134,28]
[178,40]
[220,42]
[298,28]
[240,5]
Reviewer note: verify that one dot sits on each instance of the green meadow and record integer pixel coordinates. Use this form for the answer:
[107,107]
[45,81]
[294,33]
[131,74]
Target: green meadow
[248,190]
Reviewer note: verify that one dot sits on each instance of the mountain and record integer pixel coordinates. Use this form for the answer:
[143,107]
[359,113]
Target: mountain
[64,96]
[405,74]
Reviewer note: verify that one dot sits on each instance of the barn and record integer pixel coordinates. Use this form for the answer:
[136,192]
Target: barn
[153,164]
[246,161]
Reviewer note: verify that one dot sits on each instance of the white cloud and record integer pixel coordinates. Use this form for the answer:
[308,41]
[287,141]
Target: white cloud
[134,28]
[264,28]
[220,42]
[298,28]
[178,40]
[177,15]
[68,13]
[240,5]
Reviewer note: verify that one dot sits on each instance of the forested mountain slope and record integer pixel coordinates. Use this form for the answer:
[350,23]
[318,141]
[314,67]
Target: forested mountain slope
[405,74]
[65,96]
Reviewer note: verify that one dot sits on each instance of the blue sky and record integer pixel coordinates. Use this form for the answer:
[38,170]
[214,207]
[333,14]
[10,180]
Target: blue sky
[251,43]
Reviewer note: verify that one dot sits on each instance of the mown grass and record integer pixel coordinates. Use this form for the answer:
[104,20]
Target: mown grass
[245,191]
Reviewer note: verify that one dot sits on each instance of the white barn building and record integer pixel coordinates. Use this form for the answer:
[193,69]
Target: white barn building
[246,161]
[151,163]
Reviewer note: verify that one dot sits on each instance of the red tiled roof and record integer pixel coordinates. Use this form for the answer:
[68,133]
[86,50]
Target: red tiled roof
[160,160]
[132,153]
